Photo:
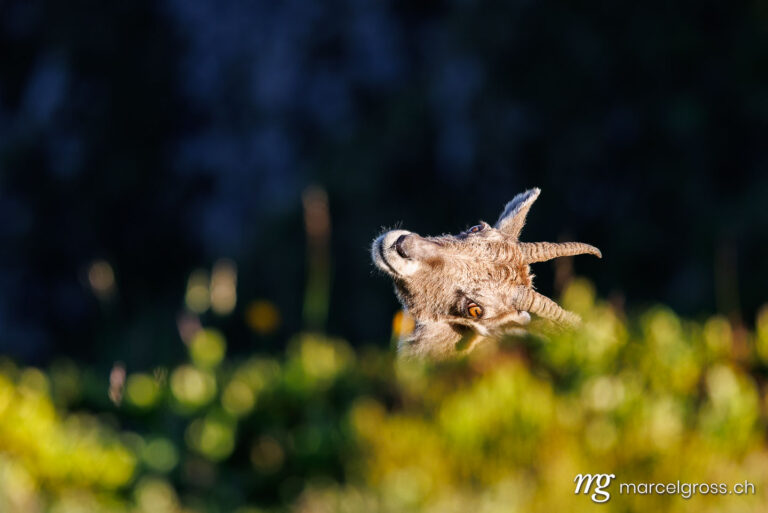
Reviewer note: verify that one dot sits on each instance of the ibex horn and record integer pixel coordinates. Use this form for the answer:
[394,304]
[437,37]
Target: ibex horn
[542,251]
[531,301]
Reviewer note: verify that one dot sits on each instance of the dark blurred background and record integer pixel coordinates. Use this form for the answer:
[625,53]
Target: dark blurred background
[143,142]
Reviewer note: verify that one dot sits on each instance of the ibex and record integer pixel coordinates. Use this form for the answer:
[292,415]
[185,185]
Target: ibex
[477,285]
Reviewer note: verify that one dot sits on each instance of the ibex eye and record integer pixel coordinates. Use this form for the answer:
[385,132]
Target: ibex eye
[476,228]
[474,310]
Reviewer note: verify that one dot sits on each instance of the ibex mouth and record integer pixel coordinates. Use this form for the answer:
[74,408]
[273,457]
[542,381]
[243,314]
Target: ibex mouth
[379,257]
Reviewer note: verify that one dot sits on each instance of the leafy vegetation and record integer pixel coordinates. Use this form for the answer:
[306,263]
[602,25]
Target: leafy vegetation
[653,398]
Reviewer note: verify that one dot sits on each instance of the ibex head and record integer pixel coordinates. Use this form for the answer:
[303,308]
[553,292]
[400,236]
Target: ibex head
[478,284]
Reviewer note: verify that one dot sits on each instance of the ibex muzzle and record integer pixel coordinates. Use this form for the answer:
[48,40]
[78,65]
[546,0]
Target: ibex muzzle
[475,285]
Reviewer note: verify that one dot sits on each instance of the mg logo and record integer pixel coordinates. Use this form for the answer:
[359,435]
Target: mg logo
[602,481]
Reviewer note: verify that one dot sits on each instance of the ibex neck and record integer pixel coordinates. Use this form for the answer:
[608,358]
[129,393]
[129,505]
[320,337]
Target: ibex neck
[438,341]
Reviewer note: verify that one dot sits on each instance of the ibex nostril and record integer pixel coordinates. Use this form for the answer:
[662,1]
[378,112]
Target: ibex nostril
[399,246]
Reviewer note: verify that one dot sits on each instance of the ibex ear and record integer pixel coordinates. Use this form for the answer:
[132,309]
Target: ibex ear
[512,218]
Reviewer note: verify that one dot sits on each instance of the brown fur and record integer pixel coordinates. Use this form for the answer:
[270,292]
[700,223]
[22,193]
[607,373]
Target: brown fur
[437,279]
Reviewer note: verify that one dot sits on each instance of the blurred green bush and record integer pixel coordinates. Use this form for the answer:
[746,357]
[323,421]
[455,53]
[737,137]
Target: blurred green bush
[652,398]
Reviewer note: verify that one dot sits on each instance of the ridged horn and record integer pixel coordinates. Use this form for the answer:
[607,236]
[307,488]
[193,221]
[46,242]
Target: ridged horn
[531,301]
[542,251]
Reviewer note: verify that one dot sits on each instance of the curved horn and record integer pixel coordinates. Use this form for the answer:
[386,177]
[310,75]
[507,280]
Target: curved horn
[531,301]
[542,251]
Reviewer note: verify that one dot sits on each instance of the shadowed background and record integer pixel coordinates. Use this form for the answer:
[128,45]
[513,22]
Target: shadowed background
[140,142]
[189,318]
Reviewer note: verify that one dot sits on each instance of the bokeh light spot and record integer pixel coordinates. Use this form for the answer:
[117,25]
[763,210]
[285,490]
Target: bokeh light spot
[141,390]
[262,317]
[207,348]
[224,287]
[197,297]
[101,278]
[402,325]
[192,387]
[267,455]
[238,398]
[212,436]
[160,454]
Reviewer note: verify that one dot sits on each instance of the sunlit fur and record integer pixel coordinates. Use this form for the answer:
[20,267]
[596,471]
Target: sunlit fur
[437,277]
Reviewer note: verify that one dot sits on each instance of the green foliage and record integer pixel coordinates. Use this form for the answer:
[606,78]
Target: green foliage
[655,398]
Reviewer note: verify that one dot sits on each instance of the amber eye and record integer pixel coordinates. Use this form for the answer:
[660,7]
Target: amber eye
[476,228]
[474,310]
